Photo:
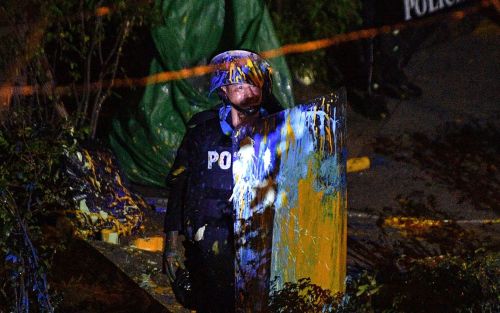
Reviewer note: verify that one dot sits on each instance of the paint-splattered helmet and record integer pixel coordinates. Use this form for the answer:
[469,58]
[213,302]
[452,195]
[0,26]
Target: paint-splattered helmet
[241,66]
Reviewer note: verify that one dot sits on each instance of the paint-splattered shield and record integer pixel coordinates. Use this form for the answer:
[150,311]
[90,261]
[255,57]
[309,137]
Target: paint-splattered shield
[290,200]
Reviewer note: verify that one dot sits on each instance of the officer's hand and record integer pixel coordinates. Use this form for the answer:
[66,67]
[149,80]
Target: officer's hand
[170,264]
[171,257]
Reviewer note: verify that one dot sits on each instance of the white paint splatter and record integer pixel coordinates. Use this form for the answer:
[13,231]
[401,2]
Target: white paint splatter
[269,198]
[244,177]
[267,160]
[199,233]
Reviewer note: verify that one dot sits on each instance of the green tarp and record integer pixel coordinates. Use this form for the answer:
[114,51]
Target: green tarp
[145,140]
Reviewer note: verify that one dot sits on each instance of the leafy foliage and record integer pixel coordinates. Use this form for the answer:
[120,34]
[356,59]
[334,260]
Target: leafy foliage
[31,188]
[70,52]
[301,21]
[432,284]
[444,284]
[77,44]
[302,296]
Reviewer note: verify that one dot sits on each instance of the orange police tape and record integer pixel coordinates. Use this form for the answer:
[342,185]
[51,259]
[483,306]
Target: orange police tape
[7,91]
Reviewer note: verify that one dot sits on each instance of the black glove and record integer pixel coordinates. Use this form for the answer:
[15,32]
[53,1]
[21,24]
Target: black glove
[175,271]
[171,258]
[182,288]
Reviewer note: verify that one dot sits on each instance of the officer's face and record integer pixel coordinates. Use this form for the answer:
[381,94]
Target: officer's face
[243,95]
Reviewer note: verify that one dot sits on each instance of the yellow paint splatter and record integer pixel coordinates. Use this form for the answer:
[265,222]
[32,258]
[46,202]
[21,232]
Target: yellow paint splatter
[284,199]
[411,222]
[315,237]
[290,134]
[358,164]
[179,170]
[215,248]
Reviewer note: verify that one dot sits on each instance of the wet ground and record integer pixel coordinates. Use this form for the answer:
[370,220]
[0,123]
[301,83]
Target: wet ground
[437,156]
[434,188]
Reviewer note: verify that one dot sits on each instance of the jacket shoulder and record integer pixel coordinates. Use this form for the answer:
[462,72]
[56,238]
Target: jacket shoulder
[203,117]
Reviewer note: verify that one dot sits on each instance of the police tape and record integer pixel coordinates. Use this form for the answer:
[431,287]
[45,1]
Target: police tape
[7,90]
[373,32]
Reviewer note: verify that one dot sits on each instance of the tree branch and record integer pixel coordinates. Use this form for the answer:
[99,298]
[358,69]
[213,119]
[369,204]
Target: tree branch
[117,52]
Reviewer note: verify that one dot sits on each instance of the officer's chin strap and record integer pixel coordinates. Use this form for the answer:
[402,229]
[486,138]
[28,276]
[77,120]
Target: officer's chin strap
[247,112]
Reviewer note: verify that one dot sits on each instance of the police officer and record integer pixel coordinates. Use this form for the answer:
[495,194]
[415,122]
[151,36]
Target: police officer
[201,182]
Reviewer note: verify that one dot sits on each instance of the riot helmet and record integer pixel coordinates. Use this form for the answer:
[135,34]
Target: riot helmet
[238,67]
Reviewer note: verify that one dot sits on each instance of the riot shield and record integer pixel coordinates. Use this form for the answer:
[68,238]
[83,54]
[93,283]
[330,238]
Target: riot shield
[290,201]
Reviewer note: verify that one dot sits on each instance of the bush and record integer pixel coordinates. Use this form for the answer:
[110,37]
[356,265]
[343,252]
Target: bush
[432,284]
[303,20]
[32,188]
